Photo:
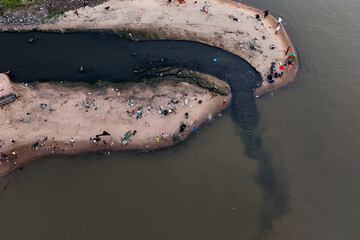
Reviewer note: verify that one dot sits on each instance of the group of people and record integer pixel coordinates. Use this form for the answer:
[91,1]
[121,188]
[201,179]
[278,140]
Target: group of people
[266,13]
[258,17]
[279,72]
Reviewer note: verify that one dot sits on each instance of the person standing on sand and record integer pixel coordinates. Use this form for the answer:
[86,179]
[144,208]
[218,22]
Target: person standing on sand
[279,21]
[287,51]
[277,29]
[266,13]
[205,8]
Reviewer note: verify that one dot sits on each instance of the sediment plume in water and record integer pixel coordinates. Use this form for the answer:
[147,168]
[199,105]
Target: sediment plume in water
[273,183]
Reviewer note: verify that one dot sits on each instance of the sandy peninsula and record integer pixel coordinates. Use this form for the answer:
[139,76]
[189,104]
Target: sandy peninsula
[226,24]
[49,118]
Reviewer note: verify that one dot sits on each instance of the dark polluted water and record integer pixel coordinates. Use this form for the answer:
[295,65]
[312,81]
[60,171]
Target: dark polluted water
[58,57]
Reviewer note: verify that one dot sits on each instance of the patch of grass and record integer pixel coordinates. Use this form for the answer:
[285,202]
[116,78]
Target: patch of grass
[11,3]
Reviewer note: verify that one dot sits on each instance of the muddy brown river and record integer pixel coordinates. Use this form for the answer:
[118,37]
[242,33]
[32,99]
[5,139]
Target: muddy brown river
[282,167]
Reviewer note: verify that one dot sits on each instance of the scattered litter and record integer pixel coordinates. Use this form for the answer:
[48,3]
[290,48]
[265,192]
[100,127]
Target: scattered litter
[139,113]
[43,106]
[166,110]
[255,45]
[182,127]
[36,146]
[164,136]
[126,138]
[131,102]
[4,157]
[196,130]
[205,8]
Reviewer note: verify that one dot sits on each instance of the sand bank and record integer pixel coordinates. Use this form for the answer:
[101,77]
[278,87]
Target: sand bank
[229,25]
[65,119]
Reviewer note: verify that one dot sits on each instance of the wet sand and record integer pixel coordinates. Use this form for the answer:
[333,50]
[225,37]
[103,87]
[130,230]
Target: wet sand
[49,118]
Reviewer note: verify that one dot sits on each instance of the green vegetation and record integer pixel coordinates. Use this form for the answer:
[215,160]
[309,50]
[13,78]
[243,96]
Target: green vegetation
[11,3]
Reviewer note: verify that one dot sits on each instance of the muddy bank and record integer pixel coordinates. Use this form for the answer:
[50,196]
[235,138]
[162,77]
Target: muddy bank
[59,118]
